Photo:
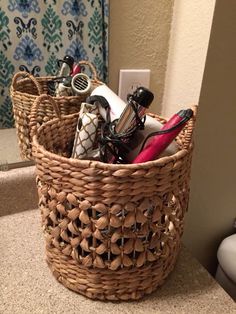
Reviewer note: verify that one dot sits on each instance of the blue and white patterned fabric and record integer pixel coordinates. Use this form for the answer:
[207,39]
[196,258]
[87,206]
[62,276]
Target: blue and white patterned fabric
[34,34]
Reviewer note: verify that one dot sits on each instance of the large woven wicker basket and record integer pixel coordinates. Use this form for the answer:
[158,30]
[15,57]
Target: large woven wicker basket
[25,88]
[112,231]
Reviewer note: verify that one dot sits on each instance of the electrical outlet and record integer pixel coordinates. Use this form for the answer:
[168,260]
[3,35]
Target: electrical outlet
[129,80]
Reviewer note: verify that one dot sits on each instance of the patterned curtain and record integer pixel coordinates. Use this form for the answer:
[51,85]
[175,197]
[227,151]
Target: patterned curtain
[35,33]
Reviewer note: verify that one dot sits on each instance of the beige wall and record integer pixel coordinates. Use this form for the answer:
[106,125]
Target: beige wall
[139,35]
[190,32]
[212,207]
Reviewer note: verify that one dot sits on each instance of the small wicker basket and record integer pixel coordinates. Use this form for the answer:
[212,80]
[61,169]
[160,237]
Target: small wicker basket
[112,230]
[25,88]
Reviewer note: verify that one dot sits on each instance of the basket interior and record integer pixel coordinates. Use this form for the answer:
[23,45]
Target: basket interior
[57,136]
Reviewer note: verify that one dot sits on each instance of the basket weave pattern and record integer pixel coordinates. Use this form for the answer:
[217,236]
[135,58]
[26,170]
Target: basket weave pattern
[24,90]
[112,231]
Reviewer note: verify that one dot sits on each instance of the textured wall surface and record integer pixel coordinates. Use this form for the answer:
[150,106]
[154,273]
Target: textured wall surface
[212,207]
[139,36]
[190,32]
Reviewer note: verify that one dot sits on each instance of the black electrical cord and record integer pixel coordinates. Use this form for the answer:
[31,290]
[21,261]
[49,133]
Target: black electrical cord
[140,122]
[117,144]
[113,144]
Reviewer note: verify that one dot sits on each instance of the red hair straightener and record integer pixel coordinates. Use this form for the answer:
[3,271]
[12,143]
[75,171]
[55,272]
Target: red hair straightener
[161,139]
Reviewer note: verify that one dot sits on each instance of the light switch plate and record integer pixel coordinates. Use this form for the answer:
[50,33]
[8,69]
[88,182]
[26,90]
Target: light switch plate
[129,80]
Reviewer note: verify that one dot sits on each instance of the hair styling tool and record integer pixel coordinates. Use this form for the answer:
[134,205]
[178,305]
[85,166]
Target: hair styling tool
[134,111]
[115,135]
[139,138]
[55,86]
[116,104]
[163,137]
[107,137]
[65,66]
[81,84]
[131,119]
[64,88]
[76,69]
[86,131]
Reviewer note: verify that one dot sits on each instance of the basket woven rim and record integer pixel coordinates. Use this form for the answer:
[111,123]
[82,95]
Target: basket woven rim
[162,161]
[41,78]
[159,162]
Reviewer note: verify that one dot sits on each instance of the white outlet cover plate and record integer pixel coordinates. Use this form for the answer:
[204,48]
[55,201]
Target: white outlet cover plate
[129,80]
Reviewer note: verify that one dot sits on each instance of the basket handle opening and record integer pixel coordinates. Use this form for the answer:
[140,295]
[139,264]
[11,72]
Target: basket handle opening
[35,111]
[22,75]
[92,69]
